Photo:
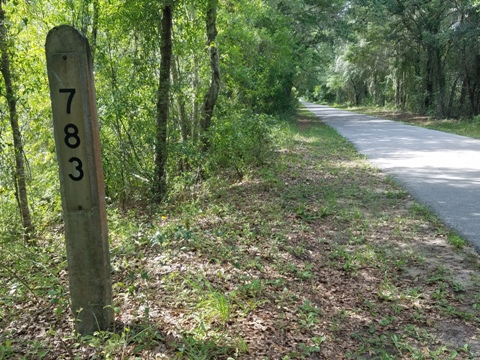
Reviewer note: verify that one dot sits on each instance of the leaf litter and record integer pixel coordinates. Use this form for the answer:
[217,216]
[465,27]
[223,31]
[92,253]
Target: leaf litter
[316,255]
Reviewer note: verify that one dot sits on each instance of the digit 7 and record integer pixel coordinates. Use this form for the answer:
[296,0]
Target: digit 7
[70,98]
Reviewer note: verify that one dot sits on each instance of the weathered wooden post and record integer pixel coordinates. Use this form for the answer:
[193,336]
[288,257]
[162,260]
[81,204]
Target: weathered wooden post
[72,91]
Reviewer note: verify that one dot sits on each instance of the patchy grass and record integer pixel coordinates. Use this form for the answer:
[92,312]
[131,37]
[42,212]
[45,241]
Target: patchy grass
[466,127]
[317,255]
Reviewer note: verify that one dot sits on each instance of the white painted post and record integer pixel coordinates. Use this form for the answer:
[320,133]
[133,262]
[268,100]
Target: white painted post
[72,91]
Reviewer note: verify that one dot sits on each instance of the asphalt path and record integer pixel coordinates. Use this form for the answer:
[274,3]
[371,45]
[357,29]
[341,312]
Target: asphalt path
[440,170]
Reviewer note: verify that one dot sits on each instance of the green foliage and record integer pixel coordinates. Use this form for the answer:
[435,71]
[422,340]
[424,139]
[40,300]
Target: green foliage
[456,240]
[269,50]
[403,54]
[258,56]
[217,274]
[258,44]
[242,141]
[216,306]
[202,350]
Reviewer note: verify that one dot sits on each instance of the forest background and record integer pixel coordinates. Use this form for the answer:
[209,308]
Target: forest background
[190,92]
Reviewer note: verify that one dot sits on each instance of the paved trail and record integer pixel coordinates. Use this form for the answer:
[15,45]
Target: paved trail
[440,170]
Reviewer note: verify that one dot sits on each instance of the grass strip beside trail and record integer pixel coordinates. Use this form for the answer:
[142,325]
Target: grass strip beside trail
[317,255]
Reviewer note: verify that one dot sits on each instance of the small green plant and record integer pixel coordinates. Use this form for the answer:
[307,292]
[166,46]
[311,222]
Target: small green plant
[419,315]
[303,212]
[348,261]
[309,314]
[419,210]
[456,240]
[387,320]
[439,275]
[476,304]
[307,350]
[417,333]
[206,349]
[413,293]
[357,214]
[216,306]
[458,287]
[400,194]
[6,349]
[252,288]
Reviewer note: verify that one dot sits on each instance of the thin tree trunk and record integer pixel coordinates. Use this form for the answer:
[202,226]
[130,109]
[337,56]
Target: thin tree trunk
[435,81]
[20,177]
[355,93]
[83,17]
[429,84]
[96,15]
[471,93]
[163,103]
[463,92]
[211,97]
[195,99]
[440,80]
[183,122]
[451,99]
[398,91]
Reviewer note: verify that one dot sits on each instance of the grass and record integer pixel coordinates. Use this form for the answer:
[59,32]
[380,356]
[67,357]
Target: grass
[315,255]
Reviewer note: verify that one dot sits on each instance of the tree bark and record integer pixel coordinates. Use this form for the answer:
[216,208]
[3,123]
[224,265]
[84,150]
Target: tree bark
[429,89]
[163,103]
[435,81]
[195,100]
[183,121]
[96,16]
[20,177]
[449,110]
[211,96]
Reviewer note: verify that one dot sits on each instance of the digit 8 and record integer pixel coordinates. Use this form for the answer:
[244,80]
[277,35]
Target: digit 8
[71,132]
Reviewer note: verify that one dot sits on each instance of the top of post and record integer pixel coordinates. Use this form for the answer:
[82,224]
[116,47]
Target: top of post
[65,38]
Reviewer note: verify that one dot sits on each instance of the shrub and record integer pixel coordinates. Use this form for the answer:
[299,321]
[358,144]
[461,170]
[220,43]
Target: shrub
[241,141]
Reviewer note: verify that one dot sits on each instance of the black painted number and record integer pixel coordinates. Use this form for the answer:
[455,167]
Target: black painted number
[78,167]
[70,98]
[72,140]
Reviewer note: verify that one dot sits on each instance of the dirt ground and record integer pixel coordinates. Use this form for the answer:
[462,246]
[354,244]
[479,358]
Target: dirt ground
[316,255]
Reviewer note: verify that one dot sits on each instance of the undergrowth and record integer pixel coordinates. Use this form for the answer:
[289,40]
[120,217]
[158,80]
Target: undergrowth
[313,254]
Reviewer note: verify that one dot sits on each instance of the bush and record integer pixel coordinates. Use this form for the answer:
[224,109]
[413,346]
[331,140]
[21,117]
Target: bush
[242,141]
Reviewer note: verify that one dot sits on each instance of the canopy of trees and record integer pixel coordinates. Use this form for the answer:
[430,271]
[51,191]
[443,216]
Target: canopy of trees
[187,89]
[421,56]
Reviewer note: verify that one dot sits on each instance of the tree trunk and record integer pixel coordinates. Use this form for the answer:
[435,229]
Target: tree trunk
[463,92]
[195,100]
[449,110]
[183,121]
[211,97]
[355,93]
[163,104]
[96,15]
[471,96]
[440,83]
[20,178]
[429,80]
[435,80]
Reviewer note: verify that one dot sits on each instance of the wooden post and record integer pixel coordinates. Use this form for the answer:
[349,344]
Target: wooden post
[72,91]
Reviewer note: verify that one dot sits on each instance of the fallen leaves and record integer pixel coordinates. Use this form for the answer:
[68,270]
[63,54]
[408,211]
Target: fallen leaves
[326,267]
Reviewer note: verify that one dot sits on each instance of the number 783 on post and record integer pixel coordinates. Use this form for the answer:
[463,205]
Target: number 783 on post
[72,149]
